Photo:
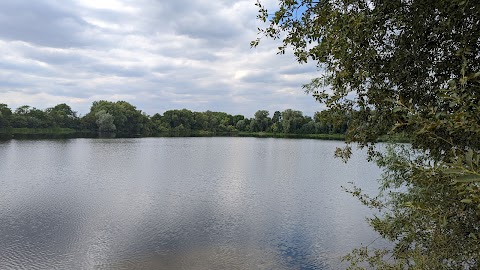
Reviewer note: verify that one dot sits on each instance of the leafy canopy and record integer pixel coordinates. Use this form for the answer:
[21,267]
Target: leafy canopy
[406,68]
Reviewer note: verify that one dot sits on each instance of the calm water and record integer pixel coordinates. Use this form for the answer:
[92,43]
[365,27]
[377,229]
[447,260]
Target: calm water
[179,203]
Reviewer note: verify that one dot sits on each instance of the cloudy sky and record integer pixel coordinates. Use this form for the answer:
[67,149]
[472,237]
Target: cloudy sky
[156,54]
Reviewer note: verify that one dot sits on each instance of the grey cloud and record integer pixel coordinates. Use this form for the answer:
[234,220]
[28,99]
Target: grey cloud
[105,69]
[183,85]
[53,57]
[10,67]
[197,19]
[273,77]
[261,76]
[213,29]
[297,69]
[159,55]
[40,22]
[67,60]
[10,85]
[193,54]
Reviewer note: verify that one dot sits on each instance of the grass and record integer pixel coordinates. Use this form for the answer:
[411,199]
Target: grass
[68,132]
[36,131]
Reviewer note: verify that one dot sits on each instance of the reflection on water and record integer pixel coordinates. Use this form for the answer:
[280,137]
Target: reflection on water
[179,203]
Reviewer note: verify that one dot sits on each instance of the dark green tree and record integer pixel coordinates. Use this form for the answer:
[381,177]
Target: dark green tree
[292,121]
[5,115]
[261,120]
[23,110]
[128,120]
[237,118]
[200,120]
[277,116]
[241,125]
[63,116]
[30,117]
[410,69]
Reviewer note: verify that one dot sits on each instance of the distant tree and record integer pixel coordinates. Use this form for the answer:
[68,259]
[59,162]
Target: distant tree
[241,125]
[261,120]
[63,116]
[276,127]
[175,118]
[127,119]
[105,121]
[231,129]
[308,126]
[23,110]
[237,118]
[332,121]
[5,110]
[5,115]
[277,117]
[30,117]
[40,118]
[292,121]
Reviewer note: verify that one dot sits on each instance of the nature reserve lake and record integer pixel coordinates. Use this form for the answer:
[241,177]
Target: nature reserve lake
[180,203]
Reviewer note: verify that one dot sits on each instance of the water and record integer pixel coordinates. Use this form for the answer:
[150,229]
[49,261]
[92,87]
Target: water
[179,203]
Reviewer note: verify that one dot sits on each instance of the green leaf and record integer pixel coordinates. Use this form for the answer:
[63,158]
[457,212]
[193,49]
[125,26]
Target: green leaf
[469,157]
[397,109]
[453,171]
[466,201]
[468,178]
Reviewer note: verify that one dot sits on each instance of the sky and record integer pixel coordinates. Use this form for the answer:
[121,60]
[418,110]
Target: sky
[156,54]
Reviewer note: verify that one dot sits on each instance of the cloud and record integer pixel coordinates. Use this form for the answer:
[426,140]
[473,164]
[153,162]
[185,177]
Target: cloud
[41,22]
[158,55]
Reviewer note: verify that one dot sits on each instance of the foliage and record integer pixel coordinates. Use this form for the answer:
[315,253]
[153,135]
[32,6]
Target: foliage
[5,115]
[63,116]
[262,121]
[105,121]
[125,120]
[410,69]
[291,120]
[37,131]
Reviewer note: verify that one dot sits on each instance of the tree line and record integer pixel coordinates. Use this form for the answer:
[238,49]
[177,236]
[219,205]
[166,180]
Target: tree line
[125,120]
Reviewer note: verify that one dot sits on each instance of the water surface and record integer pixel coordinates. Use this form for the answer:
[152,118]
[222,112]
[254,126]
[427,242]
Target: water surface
[179,203]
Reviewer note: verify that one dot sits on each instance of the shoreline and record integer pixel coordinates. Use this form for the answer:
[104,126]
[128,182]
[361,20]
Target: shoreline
[33,134]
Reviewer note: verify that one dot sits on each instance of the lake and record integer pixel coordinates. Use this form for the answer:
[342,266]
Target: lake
[180,203]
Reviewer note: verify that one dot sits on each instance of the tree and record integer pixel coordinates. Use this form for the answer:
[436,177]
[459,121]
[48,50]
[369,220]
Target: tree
[241,125]
[200,121]
[332,121]
[277,116]
[105,122]
[37,118]
[237,118]
[292,121]
[5,115]
[63,116]
[128,120]
[261,120]
[410,69]
[30,117]
[23,110]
